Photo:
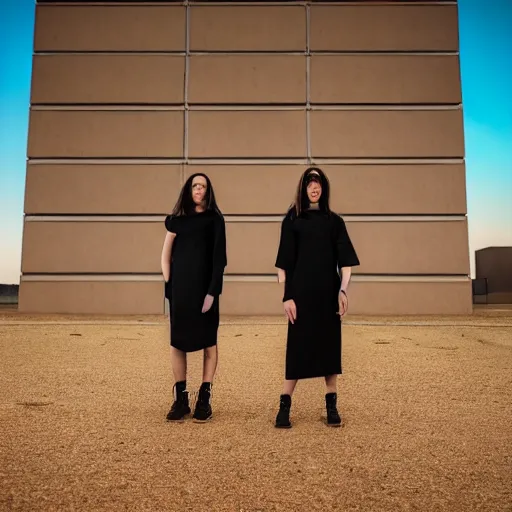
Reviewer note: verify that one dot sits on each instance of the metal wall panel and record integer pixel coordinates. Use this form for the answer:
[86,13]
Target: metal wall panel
[356,189]
[385,79]
[387,133]
[366,298]
[382,247]
[92,247]
[103,134]
[247,79]
[247,134]
[92,297]
[109,28]
[124,247]
[384,28]
[373,189]
[106,188]
[108,79]
[241,298]
[257,28]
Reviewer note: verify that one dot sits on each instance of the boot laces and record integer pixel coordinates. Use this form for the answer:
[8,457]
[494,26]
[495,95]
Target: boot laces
[195,396]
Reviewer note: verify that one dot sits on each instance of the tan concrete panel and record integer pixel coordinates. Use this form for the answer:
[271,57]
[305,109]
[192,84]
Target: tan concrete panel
[411,247]
[92,297]
[252,247]
[109,28]
[247,134]
[410,298]
[263,28]
[240,298]
[92,247]
[355,189]
[384,27]
[114,79]
[382,247]
[252,189]
[105,188]
[373,79]
[387,133]
[366,298]
[251,298]
[76,133]
[232,79]
[398,189]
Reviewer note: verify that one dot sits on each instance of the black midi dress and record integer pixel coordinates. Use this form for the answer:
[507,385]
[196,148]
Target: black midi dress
[312,248]
[198,259]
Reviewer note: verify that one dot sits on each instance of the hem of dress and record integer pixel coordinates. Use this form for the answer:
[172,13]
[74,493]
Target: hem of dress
[195,349]
[314,376]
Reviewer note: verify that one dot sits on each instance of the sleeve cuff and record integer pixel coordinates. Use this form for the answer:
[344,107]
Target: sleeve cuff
[287,296]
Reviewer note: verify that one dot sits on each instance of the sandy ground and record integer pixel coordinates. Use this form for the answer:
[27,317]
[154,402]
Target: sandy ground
[427,418]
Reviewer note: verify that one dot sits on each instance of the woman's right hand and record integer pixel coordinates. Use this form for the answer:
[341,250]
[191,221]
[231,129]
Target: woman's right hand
[291,310]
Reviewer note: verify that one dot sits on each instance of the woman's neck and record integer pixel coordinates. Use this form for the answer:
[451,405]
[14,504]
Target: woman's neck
[314,206]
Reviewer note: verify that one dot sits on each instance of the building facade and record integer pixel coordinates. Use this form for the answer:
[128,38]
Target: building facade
[128,99]
[493,267]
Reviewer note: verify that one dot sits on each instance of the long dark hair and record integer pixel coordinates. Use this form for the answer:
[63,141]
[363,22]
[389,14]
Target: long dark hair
[301,202]
[185,204]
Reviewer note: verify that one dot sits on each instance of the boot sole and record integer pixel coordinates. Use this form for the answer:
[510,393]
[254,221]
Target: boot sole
[195,420]
[333,425]
[182,420]
[288,426]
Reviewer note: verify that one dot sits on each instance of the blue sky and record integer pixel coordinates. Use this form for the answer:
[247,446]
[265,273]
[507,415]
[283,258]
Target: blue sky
[486,68]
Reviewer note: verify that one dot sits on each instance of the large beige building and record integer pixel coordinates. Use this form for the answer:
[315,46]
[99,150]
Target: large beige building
[128,99]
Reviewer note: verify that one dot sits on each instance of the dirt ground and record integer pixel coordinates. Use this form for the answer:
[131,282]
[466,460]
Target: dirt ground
[426,404]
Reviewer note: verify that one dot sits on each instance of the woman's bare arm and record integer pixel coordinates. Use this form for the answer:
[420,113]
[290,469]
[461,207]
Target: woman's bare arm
[346,273]
[165,261]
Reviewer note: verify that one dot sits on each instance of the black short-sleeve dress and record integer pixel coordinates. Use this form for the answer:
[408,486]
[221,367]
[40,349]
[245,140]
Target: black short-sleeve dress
[198,259]
[312,248]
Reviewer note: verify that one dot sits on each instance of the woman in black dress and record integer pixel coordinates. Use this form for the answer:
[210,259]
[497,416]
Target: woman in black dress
[193,262]
[314,259]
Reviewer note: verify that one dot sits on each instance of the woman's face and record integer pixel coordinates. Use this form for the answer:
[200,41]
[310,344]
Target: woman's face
[314,189]
[199,186]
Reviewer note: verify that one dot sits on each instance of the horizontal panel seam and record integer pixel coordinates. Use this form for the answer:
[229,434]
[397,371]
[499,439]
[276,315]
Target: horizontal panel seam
[227,53]
[243,161]
[157,218]
[267,3]
[267,278]
[250,107]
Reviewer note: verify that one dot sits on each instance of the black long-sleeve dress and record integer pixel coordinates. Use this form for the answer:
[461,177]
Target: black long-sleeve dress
[312,248]
[198,259]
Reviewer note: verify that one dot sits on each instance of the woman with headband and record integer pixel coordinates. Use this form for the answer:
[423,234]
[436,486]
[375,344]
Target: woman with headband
[314,259]
[193,262]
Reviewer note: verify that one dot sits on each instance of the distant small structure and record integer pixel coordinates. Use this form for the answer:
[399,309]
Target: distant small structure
[493,282]
[9,293]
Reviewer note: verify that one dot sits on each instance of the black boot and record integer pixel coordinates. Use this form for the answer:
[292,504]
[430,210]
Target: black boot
[333,418]
[283,416]
[203,410]
[180,407]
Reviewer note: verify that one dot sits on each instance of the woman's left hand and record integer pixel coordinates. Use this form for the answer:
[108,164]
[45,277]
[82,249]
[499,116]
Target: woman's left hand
[207,304]
[342,304]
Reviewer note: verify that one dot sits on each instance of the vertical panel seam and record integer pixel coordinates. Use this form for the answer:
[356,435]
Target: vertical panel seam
[185,95]
[308,85]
